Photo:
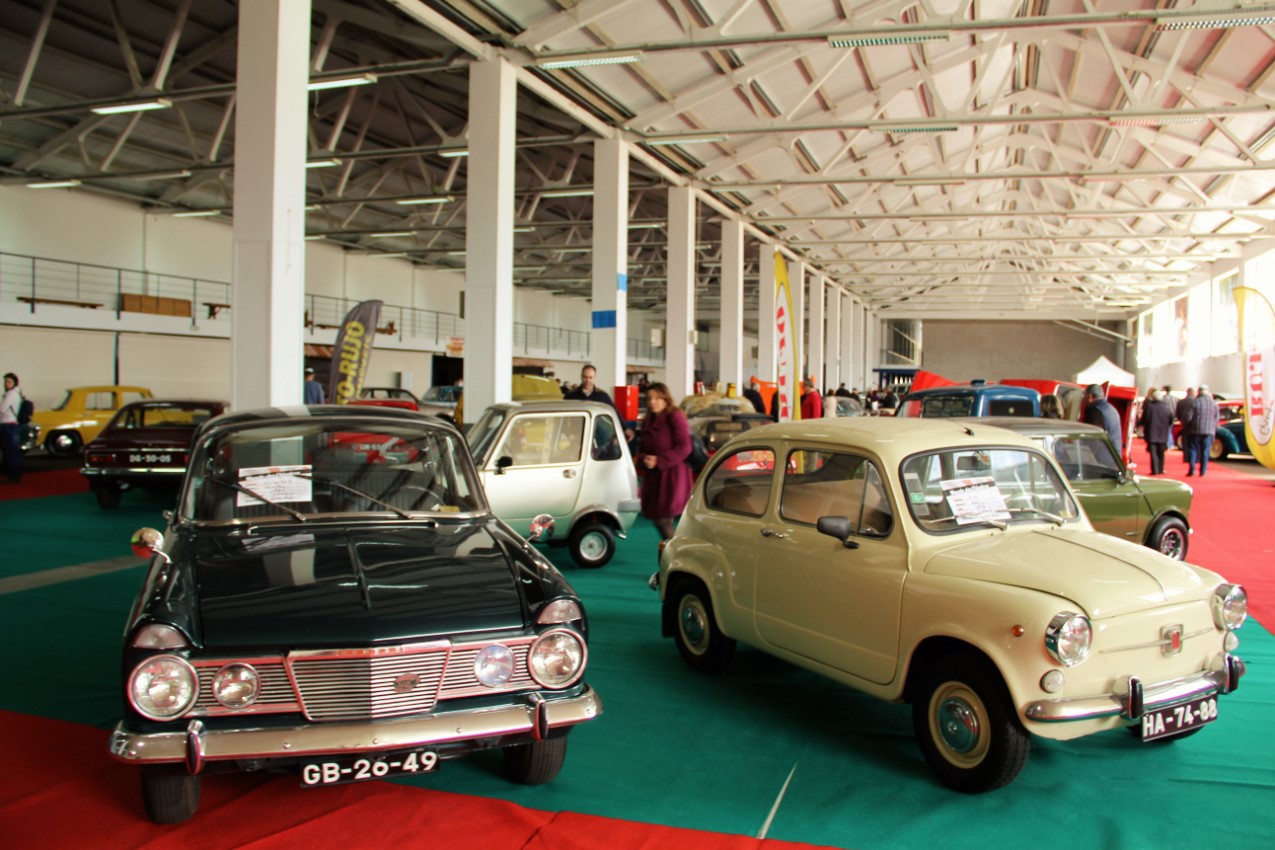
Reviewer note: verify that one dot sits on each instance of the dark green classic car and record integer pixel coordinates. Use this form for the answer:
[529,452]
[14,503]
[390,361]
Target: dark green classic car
[333,597]
[1152,511]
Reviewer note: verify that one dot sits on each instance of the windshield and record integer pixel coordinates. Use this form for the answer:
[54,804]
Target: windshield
[296,469]
[957,488]
[445,395]
[480,437]
[61,405]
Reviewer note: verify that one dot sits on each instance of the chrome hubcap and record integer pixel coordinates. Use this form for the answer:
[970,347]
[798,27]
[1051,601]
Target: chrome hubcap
[958,725]
[593,546]
[1171,544]
[693,624]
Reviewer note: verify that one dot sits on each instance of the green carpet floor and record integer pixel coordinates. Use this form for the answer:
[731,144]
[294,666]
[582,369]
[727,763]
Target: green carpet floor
[714,753]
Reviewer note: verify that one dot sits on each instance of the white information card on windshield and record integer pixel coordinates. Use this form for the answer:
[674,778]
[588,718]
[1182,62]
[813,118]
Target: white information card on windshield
[278,484]
[975,499]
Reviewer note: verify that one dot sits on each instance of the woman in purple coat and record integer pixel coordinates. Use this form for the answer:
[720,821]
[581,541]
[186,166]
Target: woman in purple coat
[664,443]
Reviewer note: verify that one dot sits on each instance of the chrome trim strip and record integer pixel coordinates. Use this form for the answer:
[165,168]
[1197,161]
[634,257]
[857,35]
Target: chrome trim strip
[325,738]
[1112,705]
[132,470]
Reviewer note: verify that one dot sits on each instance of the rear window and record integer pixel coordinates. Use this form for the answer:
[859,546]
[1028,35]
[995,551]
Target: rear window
[1010,407]
[740,484]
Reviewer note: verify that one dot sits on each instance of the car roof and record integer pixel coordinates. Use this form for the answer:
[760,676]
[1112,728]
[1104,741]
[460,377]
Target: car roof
[229,421]
[1034,426]
[102,388]
[890,438]
[554,406]
[176,402]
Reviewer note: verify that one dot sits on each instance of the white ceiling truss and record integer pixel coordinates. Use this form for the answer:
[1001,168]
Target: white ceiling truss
[1073,160]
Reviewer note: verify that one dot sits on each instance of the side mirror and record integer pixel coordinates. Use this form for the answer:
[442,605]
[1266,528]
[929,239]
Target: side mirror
[838,527]
[541,526]
[502,463]
[147,543]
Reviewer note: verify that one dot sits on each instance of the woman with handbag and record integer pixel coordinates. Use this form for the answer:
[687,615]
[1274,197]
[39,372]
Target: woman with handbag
[664,443]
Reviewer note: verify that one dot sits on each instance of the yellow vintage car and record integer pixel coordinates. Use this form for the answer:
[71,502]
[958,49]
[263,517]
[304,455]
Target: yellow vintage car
[81,415]
[947,565]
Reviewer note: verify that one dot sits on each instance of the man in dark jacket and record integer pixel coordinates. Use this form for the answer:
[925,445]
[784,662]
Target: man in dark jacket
[1098,411]
[1201,429]
[753,394]
[1184,410]
[1157,423]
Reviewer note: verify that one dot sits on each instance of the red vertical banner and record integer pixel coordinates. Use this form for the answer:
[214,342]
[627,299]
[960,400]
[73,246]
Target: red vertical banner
[788,383]
[352,351]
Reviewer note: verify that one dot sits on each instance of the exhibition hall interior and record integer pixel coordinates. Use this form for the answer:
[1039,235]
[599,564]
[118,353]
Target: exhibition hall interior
[637,423]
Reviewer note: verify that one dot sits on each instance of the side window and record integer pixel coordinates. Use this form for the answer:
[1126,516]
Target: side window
[543,440]
[566,435]
[99,401]
[819,484]
[606,440]
[1086,459]
[740,484]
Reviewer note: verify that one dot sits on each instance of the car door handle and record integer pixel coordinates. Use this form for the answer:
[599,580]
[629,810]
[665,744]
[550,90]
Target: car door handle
[568,473]
[770,532]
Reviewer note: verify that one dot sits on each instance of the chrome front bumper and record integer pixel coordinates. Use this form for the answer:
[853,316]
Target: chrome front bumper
[1140,698]
[195,744]
[126,471]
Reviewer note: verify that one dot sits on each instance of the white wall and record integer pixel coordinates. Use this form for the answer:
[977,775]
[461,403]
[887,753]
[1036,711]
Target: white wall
[965,351]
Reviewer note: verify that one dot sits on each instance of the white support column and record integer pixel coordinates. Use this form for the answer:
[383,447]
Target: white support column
[267,341]
[870,342]
[731,370]
[860,347]
[489,236]
[832,348]
[680,350]
[814,358]
[847,341]
[767,343]
[609,339]
[797,280]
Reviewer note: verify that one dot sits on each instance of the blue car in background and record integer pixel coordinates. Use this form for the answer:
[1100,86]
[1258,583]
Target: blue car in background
[976,398]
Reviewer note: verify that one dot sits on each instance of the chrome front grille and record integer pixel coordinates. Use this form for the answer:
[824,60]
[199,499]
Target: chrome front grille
[340,687]
[275,695]
[460,680]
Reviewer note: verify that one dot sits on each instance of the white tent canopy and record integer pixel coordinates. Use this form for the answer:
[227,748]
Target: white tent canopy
[1103,370]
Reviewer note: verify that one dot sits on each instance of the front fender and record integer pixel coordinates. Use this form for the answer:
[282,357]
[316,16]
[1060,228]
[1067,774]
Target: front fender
[699,559]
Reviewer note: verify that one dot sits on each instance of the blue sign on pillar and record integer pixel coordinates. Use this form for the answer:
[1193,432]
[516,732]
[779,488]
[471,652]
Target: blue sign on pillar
[603,319]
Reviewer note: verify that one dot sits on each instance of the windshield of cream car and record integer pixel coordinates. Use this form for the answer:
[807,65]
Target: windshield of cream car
[955,489]
[302,468]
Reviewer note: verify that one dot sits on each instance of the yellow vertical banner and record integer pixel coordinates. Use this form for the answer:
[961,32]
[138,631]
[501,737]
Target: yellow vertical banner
[788,384]
[1257,347]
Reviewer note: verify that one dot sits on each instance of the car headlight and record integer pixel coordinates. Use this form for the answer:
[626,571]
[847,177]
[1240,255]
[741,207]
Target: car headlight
[1068,637]
[560,611]
[1230,606]
[163,687]
[494,665]
[236,685]
[159,636]
[556,659]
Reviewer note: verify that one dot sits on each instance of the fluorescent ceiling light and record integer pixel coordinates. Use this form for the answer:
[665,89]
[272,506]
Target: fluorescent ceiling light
[1217,21]
[526,228]
[646,225]
[453,153]
[167,175]
[386,256]
[455,253]
[317,238]
[591,59]
[391,234]
[54,184]
[322,163]
[196,213]
[567,193]
[135,106]
[683,140]
[917,128]
[869,40]
[342,82]
[1156,120]
[433,199]
[529,268]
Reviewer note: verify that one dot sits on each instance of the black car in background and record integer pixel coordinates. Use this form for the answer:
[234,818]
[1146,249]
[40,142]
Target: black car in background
[333,597]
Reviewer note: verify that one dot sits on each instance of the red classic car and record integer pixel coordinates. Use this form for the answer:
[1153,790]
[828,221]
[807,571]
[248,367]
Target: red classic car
[145,443]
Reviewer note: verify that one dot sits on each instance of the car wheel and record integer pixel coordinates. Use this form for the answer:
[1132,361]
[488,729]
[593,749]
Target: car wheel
[966,726]
[63,443]
[1169,537]
[1217,450]
[170,794]
[535,763]
[108,498]
[702,644]
[592,544]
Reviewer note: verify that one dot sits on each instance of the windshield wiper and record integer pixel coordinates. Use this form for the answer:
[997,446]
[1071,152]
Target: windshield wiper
[1054,518]
[242,489]
[347,488]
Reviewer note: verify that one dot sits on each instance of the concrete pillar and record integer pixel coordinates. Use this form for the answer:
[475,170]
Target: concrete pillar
[731,370]
[489,236]
[267,340]
[680,350]
[871,337]
[847,342]
[767,345]
[815,352]
[609,340]
[832,348]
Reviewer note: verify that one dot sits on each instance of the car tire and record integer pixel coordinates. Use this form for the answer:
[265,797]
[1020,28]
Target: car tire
[108,498]
[63,444]
[592,544]
[1169,536]
[966,726]
[701,643]
[535,763]
[170,794]
[1217,450]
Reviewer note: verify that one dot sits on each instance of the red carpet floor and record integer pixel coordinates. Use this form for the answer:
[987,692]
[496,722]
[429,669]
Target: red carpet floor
[52,482]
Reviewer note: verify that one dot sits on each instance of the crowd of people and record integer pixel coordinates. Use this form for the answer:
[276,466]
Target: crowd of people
[814,406]
[1196,411]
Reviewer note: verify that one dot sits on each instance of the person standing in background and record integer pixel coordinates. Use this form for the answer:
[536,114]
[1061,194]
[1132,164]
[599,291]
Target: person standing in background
[664,444]
[11,429]
[1157,423]
[1050,407]
[1098,411]
[811,401]
[313,389]
[1184,410]
[753,394]
[1201,430]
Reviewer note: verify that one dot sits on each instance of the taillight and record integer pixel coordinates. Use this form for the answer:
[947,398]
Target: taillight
[99,457]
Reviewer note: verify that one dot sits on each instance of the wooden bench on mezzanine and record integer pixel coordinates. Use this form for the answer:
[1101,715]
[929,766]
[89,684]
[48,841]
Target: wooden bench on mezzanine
[62,302]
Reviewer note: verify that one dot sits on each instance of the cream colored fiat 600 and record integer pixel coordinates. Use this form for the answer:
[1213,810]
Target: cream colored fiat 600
[948,566]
